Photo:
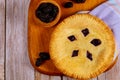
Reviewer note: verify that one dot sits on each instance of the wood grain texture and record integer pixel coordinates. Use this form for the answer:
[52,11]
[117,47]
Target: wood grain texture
[67,78]
[40,76]
[17,61]
[114,73]
[55,78]
[102,76]
[2,38]
[15,53]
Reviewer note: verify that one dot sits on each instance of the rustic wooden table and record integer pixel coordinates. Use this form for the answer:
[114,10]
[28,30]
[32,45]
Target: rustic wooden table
[14,61]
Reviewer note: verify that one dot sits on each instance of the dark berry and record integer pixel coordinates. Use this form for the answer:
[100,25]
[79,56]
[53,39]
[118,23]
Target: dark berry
[96,42]
[47,9]
[89,55]
[44,55]
[75,53]
[39,61]
[79,1]
[72,38]
[46,12]
[42,6]
[68,5]
[85,32]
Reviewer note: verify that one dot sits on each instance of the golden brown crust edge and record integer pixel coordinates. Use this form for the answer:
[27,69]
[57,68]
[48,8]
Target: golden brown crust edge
[104,67]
